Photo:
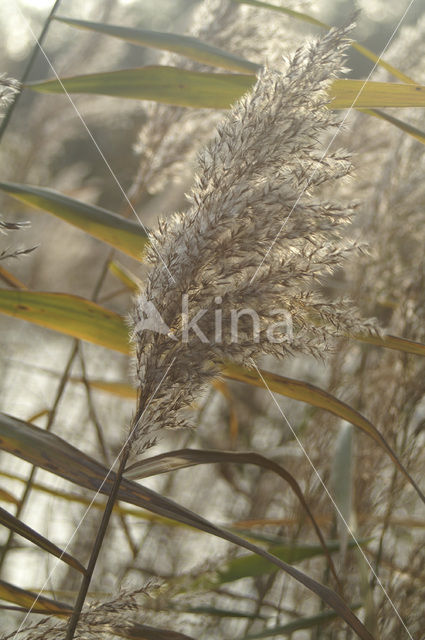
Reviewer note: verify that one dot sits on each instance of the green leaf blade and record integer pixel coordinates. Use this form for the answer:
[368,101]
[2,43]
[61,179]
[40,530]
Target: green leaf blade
[251,566]
[168,85]
[416,133]
[183,45]
[180,87]
[120,233]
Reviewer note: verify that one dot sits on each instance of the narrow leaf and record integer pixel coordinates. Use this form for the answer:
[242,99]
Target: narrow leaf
[185,88]
[251,566]
[68,314]
[396,343]
[183,45]
[11,280]
[54,454]
[301,623]
[14,524]
[305,392]
[169,85]
[96,504]
[111,330]
[128,278]
[88,321]
[304,17]
[121,389]
[125,235]
[370,95]
[400,124]
[26,599]
[184,458]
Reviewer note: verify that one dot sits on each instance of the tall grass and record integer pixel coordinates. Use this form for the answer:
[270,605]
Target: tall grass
[293,270]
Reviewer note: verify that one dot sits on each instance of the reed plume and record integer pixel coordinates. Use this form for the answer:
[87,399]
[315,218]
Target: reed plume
[99,620]
[9,87]
[258,235]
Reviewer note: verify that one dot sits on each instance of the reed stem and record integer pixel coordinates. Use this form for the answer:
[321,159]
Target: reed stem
[85,583]
[30,64]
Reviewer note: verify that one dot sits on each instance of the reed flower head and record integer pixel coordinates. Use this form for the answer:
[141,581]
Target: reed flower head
[8,88]
[258,236]
[99,620]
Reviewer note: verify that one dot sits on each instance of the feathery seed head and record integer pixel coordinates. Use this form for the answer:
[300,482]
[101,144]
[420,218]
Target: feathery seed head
[8,88]
[250,249]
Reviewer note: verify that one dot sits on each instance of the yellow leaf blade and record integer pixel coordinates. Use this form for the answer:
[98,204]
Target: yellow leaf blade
[68,314]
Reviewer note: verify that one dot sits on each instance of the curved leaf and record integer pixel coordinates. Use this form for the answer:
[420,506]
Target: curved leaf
[68,314]
[404,126]
[88,321]
[96,504]
[183,458]
[9,521]
[291,388]
[183,45]
[132,282]
[123,234]
[251,566]
[305,392]
[54,454]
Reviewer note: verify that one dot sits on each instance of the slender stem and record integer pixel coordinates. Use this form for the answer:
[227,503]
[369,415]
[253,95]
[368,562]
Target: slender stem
[28,68]
[85,583]
[101,440]
[52,415]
